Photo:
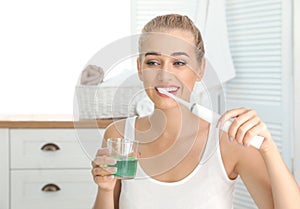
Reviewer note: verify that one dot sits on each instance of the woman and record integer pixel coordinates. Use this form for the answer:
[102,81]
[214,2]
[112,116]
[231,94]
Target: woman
[180,168]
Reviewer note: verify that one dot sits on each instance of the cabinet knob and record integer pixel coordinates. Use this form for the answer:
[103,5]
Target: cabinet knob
[50,188]
[50,147]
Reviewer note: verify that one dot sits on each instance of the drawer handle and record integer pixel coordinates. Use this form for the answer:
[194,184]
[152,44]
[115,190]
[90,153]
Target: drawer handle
[50,147]
[50,188]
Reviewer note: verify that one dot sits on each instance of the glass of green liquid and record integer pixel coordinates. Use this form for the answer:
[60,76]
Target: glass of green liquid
[125,152]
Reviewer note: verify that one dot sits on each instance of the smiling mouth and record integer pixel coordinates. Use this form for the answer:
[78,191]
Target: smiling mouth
[170,89]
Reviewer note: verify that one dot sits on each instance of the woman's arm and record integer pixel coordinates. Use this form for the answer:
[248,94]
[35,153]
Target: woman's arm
[108,199]
[263,171]
[286,192]
[250,166]
[109,188]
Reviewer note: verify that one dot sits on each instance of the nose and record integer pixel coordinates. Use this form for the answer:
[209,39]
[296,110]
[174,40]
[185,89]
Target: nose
[164,73]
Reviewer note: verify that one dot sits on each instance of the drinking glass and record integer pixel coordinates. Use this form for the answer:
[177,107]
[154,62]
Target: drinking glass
[125,152]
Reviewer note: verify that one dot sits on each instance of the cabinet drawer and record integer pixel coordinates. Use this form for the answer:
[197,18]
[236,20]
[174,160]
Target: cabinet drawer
[76,189]
[52,148]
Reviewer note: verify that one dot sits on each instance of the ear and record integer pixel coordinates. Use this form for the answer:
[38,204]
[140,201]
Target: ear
[202,69]
[139,68]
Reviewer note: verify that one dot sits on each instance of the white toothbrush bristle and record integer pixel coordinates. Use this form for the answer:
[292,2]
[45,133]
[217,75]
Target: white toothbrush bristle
[163,91]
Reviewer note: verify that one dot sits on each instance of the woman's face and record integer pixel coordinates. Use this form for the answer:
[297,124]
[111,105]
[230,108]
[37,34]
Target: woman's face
[168,60]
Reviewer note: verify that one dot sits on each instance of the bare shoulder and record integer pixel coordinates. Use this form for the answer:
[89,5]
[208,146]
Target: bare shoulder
[236,158]
[247,163]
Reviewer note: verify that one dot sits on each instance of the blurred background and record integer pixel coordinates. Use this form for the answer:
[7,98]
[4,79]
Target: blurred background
[254,45]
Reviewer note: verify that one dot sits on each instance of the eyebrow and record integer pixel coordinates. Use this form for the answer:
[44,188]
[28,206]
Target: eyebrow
[152,53]
[173,54]
[179,54]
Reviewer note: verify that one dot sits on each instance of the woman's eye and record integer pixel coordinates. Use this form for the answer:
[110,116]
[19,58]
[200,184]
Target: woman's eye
[179,63]
[152,63]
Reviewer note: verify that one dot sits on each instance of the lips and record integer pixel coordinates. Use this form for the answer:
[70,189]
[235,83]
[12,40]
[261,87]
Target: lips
[170,88]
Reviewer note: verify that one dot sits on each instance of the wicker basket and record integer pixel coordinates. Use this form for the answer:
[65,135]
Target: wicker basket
[97,102]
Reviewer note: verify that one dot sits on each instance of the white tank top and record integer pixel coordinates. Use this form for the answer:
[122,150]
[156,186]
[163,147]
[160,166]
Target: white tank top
[207,187]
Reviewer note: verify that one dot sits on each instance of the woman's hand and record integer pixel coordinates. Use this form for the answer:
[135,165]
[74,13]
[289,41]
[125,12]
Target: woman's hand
[245,125]
[102,173]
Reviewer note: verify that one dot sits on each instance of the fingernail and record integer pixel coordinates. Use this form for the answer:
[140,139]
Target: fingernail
[111,161]
[112,169]
[230,139]
[110,177]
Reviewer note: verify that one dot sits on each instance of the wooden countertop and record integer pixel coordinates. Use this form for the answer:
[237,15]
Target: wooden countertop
[50,121]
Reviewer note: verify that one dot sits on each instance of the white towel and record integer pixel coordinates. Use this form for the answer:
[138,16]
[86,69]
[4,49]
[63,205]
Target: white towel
[92,75]
[215,35]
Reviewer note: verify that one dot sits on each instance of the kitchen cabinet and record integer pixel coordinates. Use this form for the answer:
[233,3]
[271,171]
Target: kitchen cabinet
[4,169]
[44,165]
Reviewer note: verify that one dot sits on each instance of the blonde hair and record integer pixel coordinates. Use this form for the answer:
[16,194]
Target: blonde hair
[175,22]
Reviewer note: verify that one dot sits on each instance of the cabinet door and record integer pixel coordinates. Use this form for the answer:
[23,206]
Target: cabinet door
[4,168]
[49,189]
[50,148]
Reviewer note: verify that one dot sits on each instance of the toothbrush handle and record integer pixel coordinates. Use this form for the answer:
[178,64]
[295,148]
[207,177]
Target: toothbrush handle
[210,116]
[255,142]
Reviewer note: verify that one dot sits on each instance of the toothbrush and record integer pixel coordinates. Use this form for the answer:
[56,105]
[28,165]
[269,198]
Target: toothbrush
[208,115]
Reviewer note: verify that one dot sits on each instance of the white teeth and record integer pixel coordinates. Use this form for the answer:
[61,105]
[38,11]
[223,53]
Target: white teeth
[169,89]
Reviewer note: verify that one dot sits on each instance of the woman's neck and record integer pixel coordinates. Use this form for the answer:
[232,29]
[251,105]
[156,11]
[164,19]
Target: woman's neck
[169,123]
[173,118]
[167,137]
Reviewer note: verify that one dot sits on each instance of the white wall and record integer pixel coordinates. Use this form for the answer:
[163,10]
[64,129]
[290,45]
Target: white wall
[297,88]
[46,44]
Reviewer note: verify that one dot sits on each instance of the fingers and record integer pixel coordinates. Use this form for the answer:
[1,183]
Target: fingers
[244,129]
[254,131]
[245,125]
[100,171]
[102,151]
[102,158]
[102,167]
[231,114]
[102,174]
[103,161]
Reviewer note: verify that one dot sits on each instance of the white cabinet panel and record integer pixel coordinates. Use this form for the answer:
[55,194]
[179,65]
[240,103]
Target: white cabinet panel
[47,148]
[4,168]
[76,189]
[47,167]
